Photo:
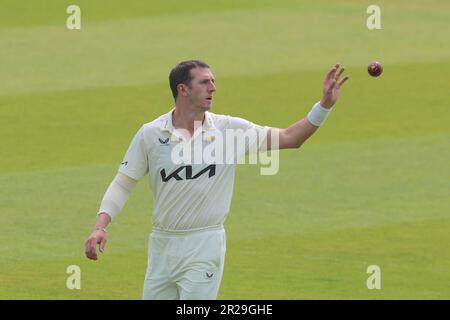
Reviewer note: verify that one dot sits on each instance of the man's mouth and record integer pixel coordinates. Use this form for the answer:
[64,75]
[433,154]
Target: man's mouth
[209,98]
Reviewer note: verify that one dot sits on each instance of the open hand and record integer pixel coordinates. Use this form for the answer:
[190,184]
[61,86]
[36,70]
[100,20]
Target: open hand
[332,86]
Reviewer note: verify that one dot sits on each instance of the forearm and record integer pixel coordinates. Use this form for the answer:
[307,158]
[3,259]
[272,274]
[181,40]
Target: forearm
[299,132]
[296,134]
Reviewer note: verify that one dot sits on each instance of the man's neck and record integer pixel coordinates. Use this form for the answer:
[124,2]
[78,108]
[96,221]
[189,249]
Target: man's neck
[184,118]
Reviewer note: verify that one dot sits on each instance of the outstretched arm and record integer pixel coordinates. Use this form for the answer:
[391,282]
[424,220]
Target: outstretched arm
[296,134]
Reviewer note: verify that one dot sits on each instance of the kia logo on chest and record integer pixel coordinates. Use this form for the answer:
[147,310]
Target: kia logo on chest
[211,169]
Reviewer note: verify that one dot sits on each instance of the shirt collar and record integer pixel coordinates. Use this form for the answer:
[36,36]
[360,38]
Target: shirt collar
[167,125]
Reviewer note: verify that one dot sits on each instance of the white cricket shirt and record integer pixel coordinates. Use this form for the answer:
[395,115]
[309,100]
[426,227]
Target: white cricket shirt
[187,196]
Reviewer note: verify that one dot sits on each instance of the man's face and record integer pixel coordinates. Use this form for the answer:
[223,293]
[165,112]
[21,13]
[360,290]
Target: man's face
[200,90]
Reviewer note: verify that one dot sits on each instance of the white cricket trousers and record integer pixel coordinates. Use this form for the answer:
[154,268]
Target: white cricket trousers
[185,265]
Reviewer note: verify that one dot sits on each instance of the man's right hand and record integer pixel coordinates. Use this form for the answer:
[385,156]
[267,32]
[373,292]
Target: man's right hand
[97,237]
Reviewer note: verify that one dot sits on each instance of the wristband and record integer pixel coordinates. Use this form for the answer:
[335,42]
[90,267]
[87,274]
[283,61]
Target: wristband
[318,115]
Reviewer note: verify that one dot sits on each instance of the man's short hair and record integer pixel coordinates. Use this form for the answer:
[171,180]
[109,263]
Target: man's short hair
[181,73]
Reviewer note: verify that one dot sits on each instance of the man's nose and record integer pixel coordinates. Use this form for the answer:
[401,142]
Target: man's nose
[212,87]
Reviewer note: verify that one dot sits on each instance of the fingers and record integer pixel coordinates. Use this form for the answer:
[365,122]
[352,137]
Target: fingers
[102,245]
[90,249]
[338,74]
[343,80]
[332,71]
[91,246]
[333,76]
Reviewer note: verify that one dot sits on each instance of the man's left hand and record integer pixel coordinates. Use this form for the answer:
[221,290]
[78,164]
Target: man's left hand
[332,86]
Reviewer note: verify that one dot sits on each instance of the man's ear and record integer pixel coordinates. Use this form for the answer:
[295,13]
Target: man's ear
[182,89]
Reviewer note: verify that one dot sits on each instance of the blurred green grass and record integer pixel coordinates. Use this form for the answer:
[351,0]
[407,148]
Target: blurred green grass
[370,187]
[284,37]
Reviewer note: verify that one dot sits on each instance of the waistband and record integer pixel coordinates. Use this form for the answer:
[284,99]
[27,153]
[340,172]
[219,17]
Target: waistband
[179,233]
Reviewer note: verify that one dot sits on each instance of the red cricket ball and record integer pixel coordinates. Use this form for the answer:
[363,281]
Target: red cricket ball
[375,68]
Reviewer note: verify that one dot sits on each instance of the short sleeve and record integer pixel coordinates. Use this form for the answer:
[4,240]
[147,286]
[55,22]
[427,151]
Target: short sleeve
[255,135]
[135,162]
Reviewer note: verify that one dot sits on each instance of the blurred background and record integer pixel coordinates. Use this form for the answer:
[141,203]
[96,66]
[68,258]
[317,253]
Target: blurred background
[371,187]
